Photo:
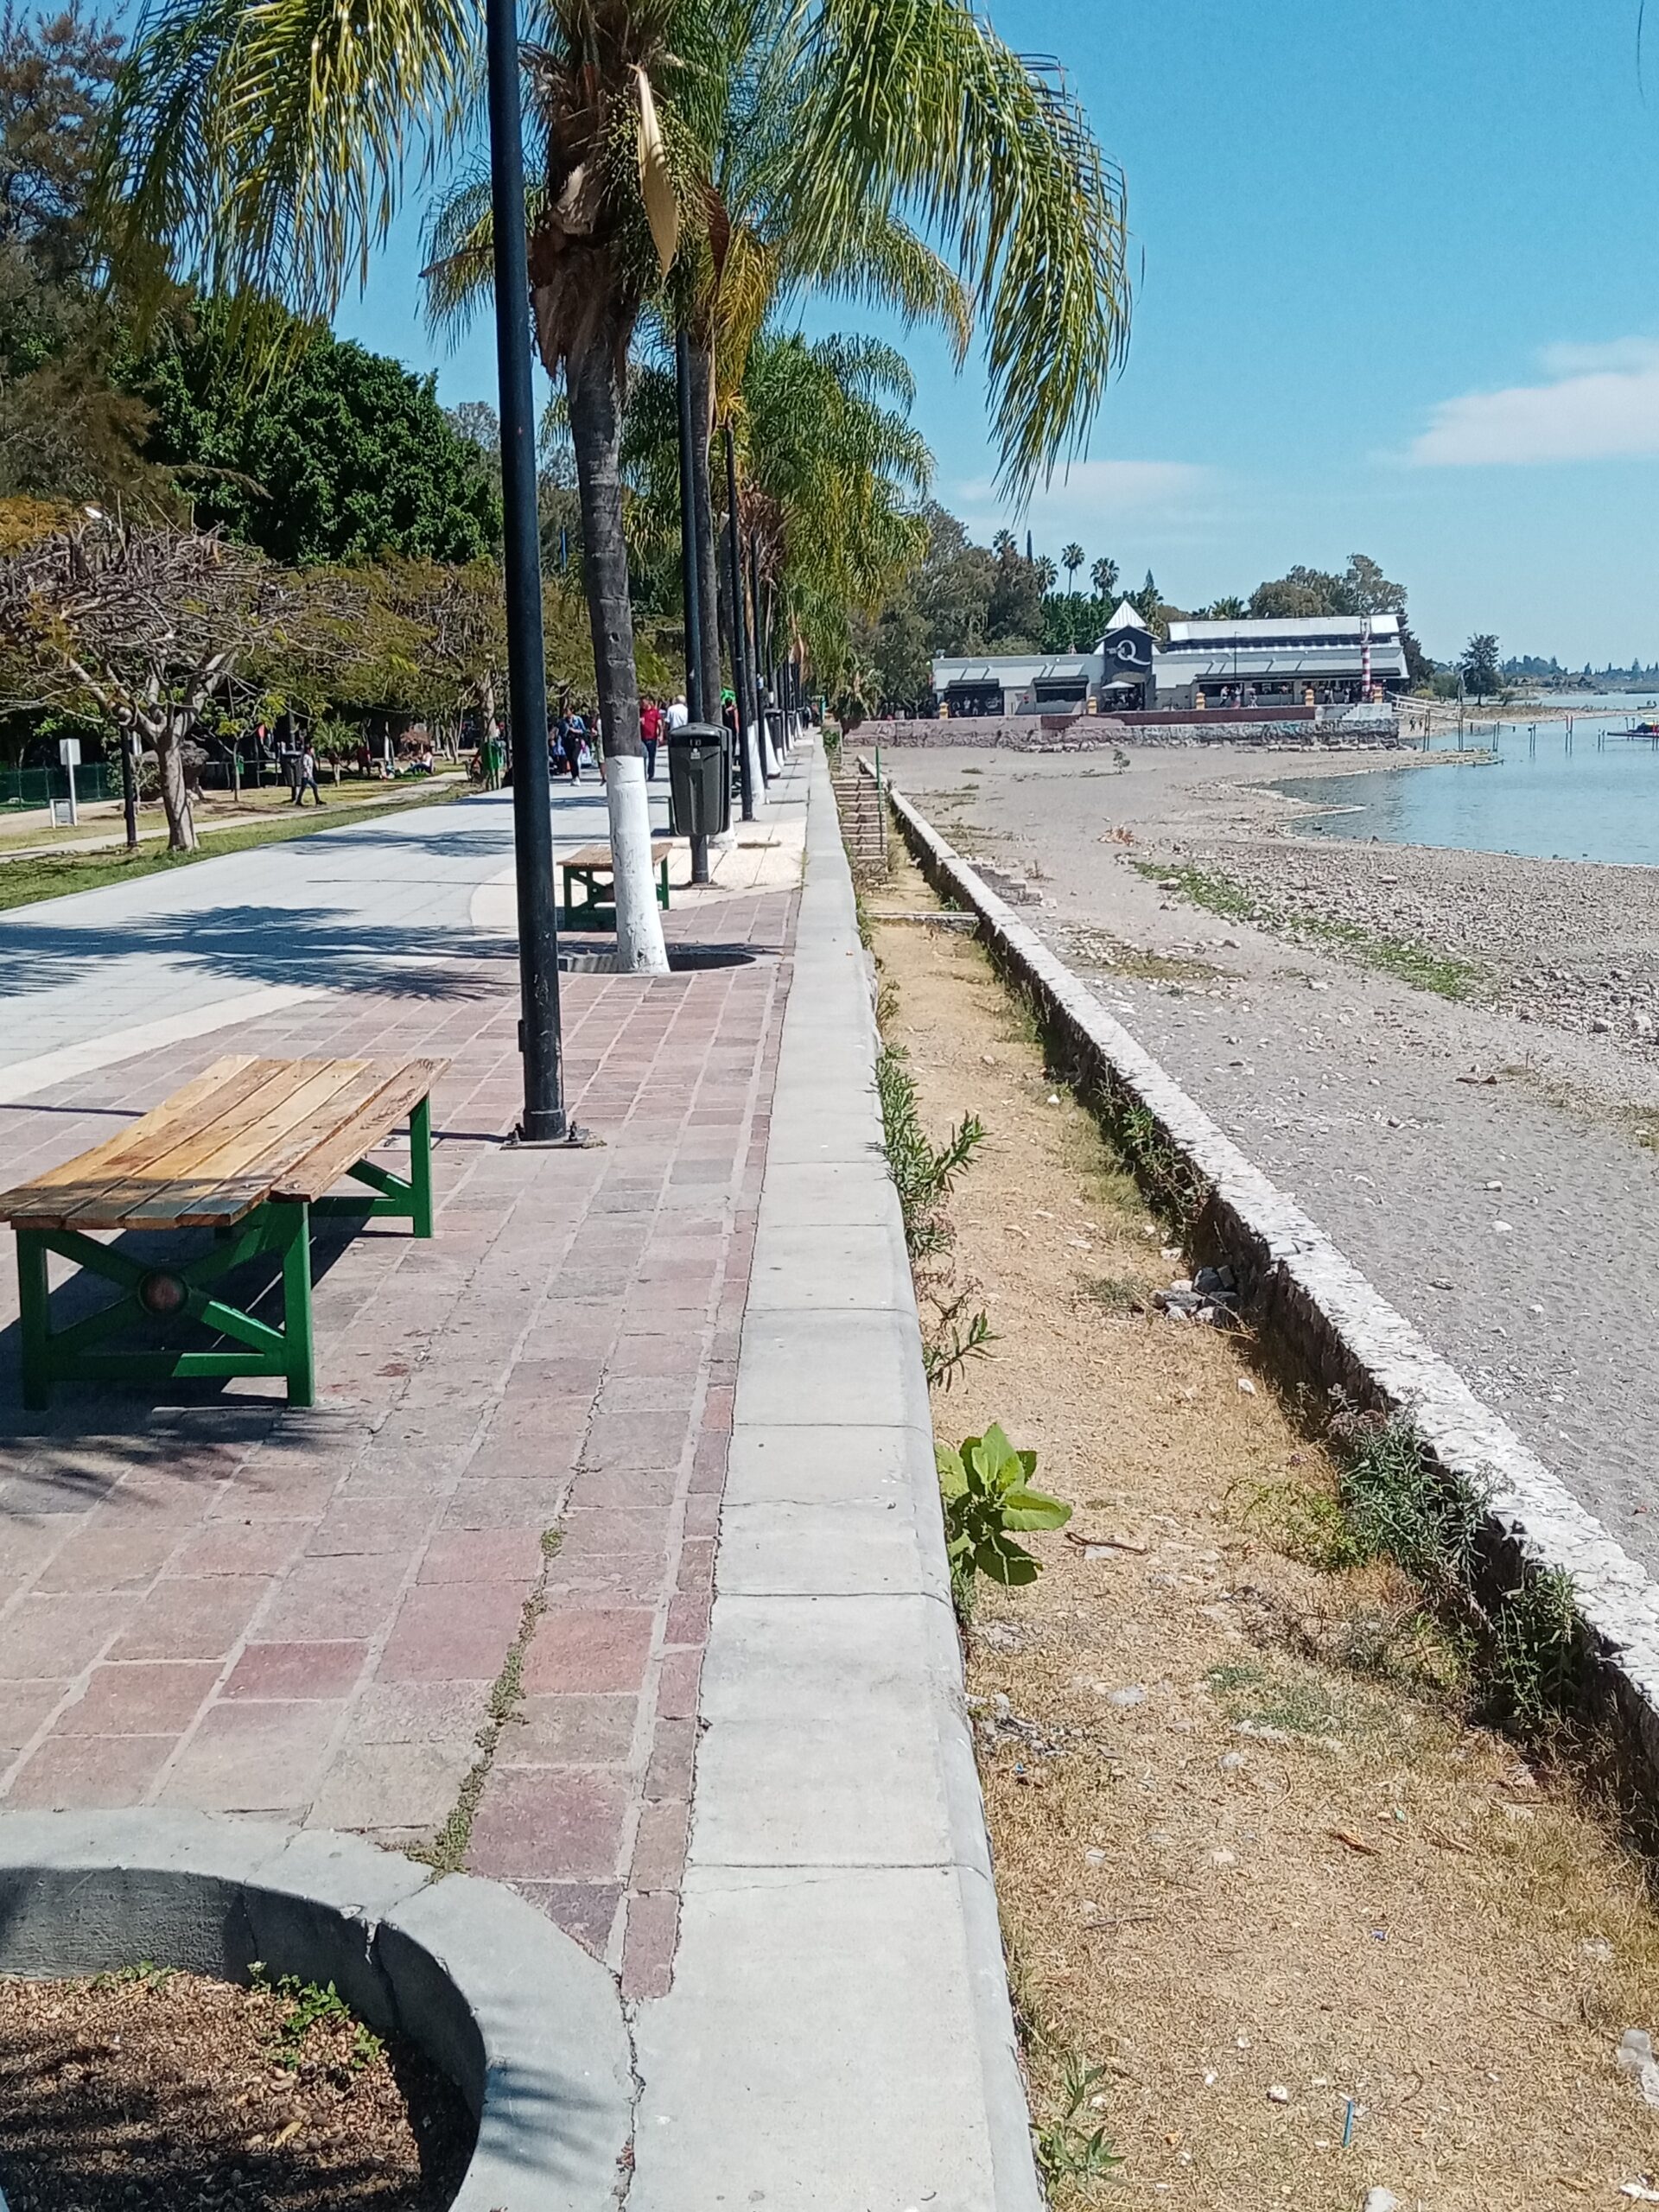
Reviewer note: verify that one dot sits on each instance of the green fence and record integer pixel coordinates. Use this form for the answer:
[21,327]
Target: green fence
[26,787]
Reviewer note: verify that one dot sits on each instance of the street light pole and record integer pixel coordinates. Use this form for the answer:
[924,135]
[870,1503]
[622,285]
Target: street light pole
[694,698]
[544,1118]
[739,689]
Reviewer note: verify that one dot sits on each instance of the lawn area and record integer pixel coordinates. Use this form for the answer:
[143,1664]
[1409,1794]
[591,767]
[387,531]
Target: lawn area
[55,875]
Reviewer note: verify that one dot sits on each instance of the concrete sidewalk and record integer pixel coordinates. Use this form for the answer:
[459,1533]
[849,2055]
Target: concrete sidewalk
[464,1608]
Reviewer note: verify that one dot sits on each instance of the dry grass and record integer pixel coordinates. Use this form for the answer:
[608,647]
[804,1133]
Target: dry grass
[1293,1864]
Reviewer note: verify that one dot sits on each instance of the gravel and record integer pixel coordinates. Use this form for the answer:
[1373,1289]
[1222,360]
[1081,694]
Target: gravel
[1388,1110]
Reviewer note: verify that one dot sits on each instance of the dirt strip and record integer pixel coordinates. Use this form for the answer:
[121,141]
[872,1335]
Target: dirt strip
[1256,1864]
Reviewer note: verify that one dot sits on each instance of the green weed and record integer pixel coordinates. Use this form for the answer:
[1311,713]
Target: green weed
[308,2005]
[1067,2148]
[989,1500]
[923,1172]
[952,1341]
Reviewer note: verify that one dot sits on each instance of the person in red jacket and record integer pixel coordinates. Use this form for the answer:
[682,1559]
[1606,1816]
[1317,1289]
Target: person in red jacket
[651,729]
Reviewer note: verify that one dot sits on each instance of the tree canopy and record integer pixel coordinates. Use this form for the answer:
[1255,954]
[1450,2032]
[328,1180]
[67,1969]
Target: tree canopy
[339,456]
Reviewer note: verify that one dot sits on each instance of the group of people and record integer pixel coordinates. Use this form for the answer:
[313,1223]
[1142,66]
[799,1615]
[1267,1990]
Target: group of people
[574,737]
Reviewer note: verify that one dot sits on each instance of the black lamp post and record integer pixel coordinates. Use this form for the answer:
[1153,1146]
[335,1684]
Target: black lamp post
[544,1118]
[740,655]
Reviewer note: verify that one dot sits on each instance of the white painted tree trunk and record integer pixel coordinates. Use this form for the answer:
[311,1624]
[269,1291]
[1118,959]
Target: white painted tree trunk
[769,752]
[640,947]
[757,780]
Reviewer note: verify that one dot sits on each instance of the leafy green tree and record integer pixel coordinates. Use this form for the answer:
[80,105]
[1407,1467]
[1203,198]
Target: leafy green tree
[342,455]
[65,431]
[1015,617]
[1481,672]
[1230,609]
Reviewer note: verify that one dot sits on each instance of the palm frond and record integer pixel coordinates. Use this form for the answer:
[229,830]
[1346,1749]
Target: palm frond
[267,145]
[918,110]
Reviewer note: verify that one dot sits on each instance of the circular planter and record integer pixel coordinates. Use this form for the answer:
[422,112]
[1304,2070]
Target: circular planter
[527,2027]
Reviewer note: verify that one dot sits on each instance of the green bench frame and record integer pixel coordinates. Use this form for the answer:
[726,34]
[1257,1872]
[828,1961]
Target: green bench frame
[279,1226]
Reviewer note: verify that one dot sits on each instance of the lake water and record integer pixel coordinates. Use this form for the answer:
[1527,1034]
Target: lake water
[1595,799]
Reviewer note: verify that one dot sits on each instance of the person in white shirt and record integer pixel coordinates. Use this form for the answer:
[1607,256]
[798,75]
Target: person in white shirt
[679,713]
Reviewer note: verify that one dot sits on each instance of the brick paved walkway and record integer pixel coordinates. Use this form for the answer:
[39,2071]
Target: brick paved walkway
[505,1503]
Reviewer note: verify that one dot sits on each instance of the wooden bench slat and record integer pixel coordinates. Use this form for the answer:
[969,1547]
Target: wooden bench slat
[340,1151]
[257,1157]
[189,1161]
[46,1201]
[599,856]
[244,1130]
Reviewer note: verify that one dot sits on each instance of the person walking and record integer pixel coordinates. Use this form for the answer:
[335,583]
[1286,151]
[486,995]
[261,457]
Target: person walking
[651,729]
[679,713]
[571,732]
[306,778]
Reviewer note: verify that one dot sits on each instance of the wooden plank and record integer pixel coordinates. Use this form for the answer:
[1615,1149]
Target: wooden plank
[257,1157]
[43,1202]
[353,1141]
[177,1165]
[599,856]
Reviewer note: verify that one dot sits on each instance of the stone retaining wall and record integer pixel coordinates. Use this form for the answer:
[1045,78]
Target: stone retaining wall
[1090,732]
[1328,1325]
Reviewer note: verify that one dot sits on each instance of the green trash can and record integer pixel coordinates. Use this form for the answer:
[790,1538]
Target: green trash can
[699,780]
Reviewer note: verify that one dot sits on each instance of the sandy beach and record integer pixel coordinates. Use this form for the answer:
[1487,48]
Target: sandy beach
[1483,1156]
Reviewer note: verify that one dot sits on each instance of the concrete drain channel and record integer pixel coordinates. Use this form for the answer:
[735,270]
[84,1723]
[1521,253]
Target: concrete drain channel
[526,2025]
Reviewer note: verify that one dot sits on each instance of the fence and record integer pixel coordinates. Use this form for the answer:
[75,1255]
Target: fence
[26,787]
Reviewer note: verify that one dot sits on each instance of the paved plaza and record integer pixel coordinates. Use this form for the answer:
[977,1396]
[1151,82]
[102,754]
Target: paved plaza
[608,1564]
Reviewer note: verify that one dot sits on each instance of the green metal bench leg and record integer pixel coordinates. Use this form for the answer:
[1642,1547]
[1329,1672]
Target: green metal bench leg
[32,1301]
[662,885]
[420,1168]
[298,1352]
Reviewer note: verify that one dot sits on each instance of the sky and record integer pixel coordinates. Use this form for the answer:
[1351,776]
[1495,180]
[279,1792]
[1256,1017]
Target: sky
[1397,291]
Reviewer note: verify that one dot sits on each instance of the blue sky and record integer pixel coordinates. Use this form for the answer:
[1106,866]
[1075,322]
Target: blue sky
[1398,290]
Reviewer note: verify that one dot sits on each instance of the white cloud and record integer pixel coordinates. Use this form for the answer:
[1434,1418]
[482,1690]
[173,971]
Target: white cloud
[1603,402]
[1088,495]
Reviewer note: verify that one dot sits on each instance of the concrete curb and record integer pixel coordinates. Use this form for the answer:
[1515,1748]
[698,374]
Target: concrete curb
[839,2033]
[527,2027]
[1318,1308]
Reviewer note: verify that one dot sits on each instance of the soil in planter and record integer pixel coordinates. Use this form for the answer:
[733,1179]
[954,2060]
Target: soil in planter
[151,2088]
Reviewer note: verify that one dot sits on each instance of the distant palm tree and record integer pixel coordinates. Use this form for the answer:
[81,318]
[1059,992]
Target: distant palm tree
[1003,541]
[1231,609]
[1047,574]
[1103,576]
[1071,561]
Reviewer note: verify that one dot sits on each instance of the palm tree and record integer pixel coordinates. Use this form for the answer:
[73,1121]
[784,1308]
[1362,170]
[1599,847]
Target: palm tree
[1071,561]
[268,148]
[1047,574]
[1103,577]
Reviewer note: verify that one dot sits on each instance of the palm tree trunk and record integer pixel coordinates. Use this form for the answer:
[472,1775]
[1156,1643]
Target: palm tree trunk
[594,381]
[703,429]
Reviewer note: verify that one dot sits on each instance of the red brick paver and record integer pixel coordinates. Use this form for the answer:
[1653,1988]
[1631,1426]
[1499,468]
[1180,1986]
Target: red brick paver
[215,1602]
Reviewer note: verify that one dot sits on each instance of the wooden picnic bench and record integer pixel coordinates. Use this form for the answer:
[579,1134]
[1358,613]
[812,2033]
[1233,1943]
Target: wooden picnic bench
[250,1150]
[587,867]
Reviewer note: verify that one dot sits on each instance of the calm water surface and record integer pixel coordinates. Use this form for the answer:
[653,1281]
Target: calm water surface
[1597,799]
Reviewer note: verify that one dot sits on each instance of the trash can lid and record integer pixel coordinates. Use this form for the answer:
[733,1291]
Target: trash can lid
[696,734]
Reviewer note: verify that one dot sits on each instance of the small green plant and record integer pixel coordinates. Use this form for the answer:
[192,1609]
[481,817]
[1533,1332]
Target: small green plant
[1068,2148]
[1537,1656]
[142,1974]
[1304,1523]
[923,1172]
[989,1500]
[952,1342]
[1117,1293]
[308,2005]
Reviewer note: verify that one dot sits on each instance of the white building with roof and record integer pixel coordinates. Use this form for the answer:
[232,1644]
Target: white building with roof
[1017,683]
[1272,661]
